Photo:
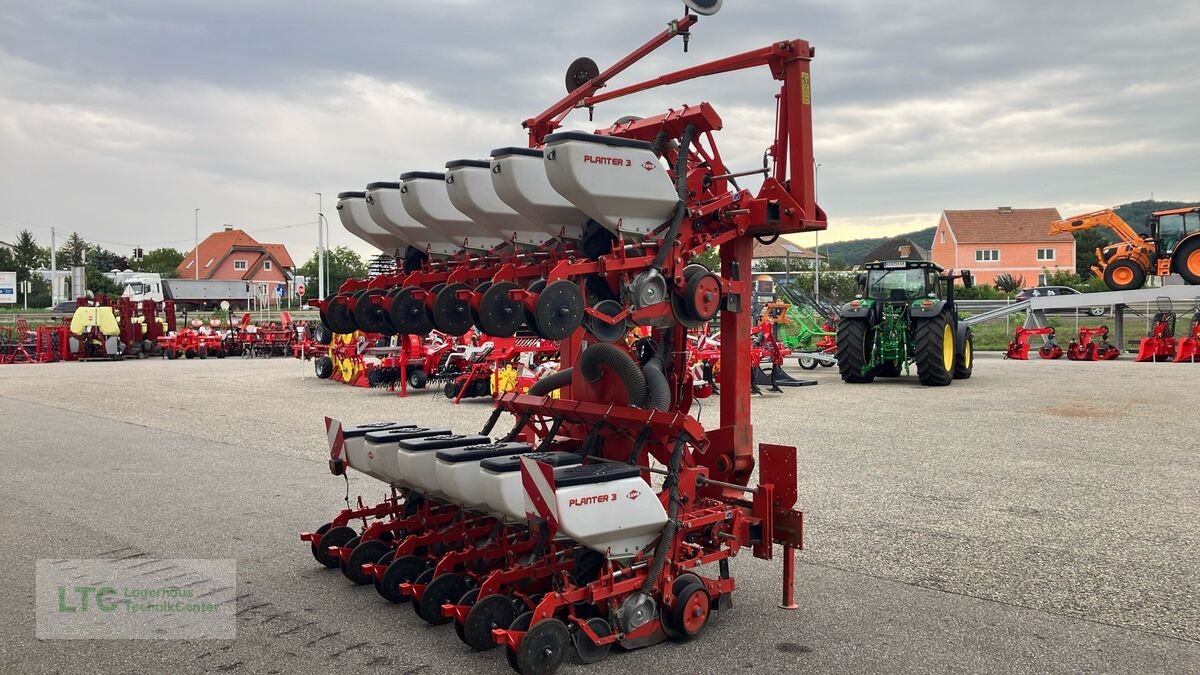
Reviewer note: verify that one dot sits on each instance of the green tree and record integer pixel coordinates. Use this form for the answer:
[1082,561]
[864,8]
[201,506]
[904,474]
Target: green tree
[1009,283]
[72,252]
[341,263]
[1086,243]
[28,255]
[104,260]
[162,261]
[710,259]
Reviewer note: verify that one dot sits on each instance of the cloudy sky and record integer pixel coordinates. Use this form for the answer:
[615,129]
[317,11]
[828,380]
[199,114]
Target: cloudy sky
[118,118]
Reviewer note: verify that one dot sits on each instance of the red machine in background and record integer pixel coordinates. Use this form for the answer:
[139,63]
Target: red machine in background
[598,554]
[1188,347]
[1092,345]
[1159,345]
[1018,347]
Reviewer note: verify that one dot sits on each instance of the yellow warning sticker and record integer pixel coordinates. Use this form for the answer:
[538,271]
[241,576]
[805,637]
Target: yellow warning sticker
[805,88]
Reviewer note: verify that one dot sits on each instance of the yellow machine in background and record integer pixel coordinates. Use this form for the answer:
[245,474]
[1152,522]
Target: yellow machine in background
[1170,246]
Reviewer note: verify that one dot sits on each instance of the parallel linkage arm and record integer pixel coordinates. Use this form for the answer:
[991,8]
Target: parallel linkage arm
[1106,218]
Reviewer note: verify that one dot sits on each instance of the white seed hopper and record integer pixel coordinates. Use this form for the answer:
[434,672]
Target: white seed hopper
[606,507]
[469,184]
[619,182]
[500,482]
[519,178]
[352,211]
[387,210]
[459,475]
[417,459]
[425,198]
[356,444]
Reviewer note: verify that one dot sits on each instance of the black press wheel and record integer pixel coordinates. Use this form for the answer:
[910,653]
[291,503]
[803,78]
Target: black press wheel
[323,367]
[334,536]
[366,552]
[558,310]
[443,589]
[315,551]
[339,315]
[500,315]
[520,623]
[402,570]
[807,363]
[408,313]
[855,339]
[452,315]
[417,378]
[587,651]
[371,317]
[543,648]
[691,610]
[493,611]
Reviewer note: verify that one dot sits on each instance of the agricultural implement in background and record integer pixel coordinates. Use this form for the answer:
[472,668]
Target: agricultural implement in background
[1171,245]
[1160,344]
[905,315]
[1018,347]
[1188,347]
[1092,345]
[562,535]
[801,330]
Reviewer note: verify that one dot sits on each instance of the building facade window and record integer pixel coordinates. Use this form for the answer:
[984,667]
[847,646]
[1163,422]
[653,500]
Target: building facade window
[987,255]
[943,233]
[267,265]
[1041,280]
[240,265]
[1045,254]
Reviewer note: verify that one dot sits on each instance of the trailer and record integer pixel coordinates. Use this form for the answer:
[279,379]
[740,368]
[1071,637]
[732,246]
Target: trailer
[188,293]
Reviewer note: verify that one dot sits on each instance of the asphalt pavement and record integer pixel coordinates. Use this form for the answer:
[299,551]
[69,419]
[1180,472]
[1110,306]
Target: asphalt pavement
[1040,517]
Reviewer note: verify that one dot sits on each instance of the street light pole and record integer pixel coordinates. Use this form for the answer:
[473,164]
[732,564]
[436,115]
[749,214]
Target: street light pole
[816,240]
[196,234]
[320,249]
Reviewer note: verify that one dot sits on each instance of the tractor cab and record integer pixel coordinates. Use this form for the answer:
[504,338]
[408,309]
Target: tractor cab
[901,280]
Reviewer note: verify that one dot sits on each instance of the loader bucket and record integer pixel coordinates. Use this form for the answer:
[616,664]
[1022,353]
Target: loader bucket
[1187,350]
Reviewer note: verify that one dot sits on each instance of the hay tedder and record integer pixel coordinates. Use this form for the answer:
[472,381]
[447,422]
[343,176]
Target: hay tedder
[606,515]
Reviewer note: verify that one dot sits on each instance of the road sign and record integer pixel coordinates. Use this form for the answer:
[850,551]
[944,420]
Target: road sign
[8,288]
[300,290]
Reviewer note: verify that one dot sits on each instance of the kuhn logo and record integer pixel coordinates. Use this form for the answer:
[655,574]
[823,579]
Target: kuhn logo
[594,499]
[608,161]
[633,494]
[649,166]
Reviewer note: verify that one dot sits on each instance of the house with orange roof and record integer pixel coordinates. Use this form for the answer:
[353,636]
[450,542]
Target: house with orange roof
[991,242]
[233,255]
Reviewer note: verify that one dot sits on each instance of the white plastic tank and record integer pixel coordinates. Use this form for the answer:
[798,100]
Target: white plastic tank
[352,211]
[619,182]
[500,482]
[417,458]
[459,475]
[519,178]
[387,210]
[607,508]
[382,448]
[425,198]
[354,438]
[469,184]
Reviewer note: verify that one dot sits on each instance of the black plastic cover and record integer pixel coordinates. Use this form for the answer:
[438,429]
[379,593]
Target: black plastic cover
[396,435]
[475,453]
[586,474]
[442,441]
[477,163]
[513,150]
[408,175]
[611,141]
[354,431]
[383,184]
[351,195]
[513,462]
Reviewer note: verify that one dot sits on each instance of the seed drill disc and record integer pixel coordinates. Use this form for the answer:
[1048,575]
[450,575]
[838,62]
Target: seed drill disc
[338,315]
[679,309]
[581,71]
[494,611]
[499,315]
[544,647]
[450,314]
[559,310]
[441,590]
[531,317]
[588,651]
[370,317]
[603,331]
[408,313]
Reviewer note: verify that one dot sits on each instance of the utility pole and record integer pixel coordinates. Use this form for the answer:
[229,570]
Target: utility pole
[816,241]
[320,249]
[53,271]
[196,233]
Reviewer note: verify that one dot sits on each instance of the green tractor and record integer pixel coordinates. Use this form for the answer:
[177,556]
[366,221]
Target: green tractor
[902,317]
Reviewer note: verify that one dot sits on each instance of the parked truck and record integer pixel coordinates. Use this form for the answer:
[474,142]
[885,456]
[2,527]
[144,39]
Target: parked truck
[187,293]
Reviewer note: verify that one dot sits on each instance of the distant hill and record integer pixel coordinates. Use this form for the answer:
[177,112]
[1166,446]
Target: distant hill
[852,252]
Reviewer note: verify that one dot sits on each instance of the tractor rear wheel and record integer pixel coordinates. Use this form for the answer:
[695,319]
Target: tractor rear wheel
[855,339]
[1188,261]
[933,347]
[964,356]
